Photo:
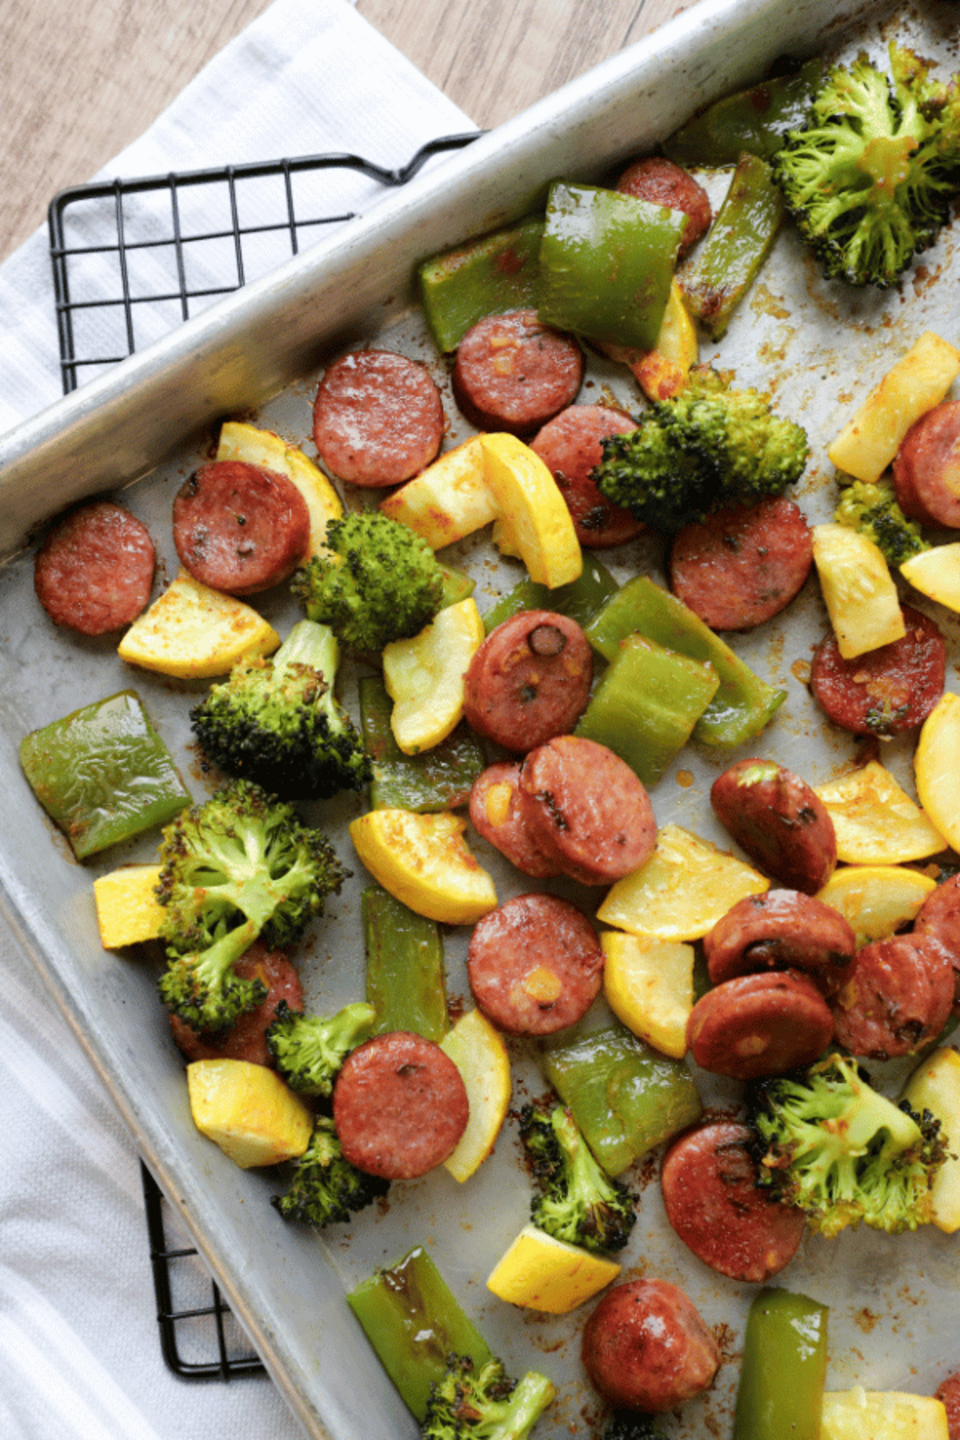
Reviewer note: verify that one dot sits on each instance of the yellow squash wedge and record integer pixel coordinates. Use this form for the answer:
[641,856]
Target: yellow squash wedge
[876,900]
[239,441]
[533,519]
[858,590]
[860,1414]
[248,1111]
[936,764]
[876,821]
[542,1273]
[935,1086]
[194,633]
[936,574]
[425,862]
[128,911]
[424,676]
[447,501]
[478,1050]
[648,984]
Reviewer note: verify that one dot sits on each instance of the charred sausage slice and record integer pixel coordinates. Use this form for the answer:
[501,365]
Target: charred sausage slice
[377,418]
[94,570]
[512,372]
[899,997]
[534,964]
[926,470]
[496,815]
[570,445]
[939,916]
[779,821]
[887,690]
[662,182]
[715,1204]
[586,808]
[399,1106]
[240,528]
[758,1025]
[646,1347]
[741,566]
[245,1040]
[529,680]
[782,930]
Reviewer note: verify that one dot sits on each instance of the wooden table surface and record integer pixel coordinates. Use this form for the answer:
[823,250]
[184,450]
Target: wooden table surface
[82,80]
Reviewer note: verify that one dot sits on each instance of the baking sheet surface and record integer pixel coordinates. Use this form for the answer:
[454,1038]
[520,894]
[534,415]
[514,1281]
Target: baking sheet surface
[893,1300]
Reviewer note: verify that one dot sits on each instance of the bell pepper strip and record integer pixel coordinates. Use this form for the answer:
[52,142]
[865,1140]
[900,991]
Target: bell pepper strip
[579,600]
[406,980]
[743,704]
[414,1323]
[103,774]
[753,120]
[717,278]
[436,779]
[646,705]
[607,261]
[457,586]
[486,276]
[783,1369]
[625,1096]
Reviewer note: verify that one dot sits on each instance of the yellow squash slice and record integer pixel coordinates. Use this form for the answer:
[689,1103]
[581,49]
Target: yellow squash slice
[876,821]
[478,1050]
[448,500]
[682,890]
[128,911]
[248,1111]
[860,1414]
[876,900]
[936,573]
[858,590]
[533,519]
[193,632]
[425,862]
[542,1273]
[937,767]
[935,1086]
[648,984]
[424,676]
[239,441]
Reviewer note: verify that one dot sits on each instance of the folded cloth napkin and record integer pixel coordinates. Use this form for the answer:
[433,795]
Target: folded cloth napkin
[79,1342]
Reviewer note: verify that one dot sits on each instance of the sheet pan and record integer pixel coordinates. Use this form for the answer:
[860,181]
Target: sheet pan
[893,1301]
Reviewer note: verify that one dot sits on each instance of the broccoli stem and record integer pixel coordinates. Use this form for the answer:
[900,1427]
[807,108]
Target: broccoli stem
[531,1395]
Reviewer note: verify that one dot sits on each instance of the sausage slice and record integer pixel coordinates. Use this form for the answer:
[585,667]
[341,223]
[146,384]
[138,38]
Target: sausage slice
[662,182]
[94,570]
[939,916]
[779,821]
[757,1025]
[570,445]
[377,418]
[246,1039]
[529,680]
[240,528]
[926,470]
[887,690]
[782,930]
[899,997]
[496,815]
[514,373]
[646,1347]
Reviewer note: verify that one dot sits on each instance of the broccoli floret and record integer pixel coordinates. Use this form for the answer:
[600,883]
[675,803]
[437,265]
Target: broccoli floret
[277,721]
[833,1146]
[485,1404]
[239,866]
[309,1049]
[707,447]
[578,1203]
[873,510]
[326,1189]
[869,178]
[375,582]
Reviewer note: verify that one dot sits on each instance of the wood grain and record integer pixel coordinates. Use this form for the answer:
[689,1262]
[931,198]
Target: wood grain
[82,79]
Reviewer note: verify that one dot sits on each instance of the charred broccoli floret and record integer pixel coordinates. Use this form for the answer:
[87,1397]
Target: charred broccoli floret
[630,1425]
[375,582]
[873,510]
[869,178]
[309,1049]
[833,1146]
[239,866]
[484,1404]
[707,447]
[277,721]
[326,1189]
[578,1202]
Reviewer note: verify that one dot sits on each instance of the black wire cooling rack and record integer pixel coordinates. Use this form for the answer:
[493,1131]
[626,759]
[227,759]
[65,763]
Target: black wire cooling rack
[132,258]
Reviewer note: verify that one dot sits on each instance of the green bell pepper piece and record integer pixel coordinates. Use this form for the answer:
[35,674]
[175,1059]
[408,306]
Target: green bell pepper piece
[783,1369]
[413,1321]
[625,1096]
[579,600]
[743,705]
[437,779]
[406,980]
[497,272]
[103,774]
[457,585]
[606,264]
[753,120]
[646,705]
[738,242]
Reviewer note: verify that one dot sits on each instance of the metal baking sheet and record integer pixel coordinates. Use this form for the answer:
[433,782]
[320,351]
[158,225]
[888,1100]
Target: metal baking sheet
[142,428]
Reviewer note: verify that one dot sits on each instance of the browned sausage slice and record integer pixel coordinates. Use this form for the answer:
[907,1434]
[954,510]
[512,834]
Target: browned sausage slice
[529,680]
[926,470]
[939,916]
[534,964]
[948,1393]
[782,930]
[496,815]
[240,528]
[779,821]
[646,1347]
[570,447]
[662,182]
[399,1106]
[245,1040]
[514,373]
[715,1204]
[586,808]
[887,690]
[758,1025]
[899,997]
[377,418]
[94,570]
[741,566]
